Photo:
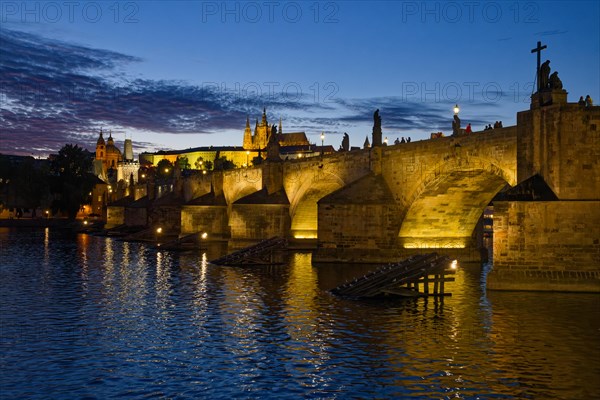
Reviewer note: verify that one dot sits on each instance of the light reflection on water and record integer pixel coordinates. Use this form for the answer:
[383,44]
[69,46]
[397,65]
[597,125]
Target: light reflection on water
[85,316]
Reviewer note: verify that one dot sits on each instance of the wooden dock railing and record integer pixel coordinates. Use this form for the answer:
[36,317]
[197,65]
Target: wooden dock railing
[262,253]
[403,278]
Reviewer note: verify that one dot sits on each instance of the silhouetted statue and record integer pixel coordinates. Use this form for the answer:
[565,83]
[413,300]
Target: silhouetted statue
[555,82]
[346,142]
[377,134]
[273,146]
[456,125]
[545,75]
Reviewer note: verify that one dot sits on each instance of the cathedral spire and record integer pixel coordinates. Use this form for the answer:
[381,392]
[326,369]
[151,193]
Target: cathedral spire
[248,135]
[264,117]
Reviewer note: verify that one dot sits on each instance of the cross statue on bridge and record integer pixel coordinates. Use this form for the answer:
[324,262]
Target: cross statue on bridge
[538,50]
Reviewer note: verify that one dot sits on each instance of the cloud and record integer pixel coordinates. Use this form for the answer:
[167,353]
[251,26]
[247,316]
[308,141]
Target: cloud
[53,92]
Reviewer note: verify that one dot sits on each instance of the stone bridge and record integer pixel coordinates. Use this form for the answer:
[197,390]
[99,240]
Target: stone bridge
[383,203]
[439,186]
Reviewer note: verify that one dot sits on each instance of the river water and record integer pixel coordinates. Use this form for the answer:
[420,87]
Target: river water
[92,317]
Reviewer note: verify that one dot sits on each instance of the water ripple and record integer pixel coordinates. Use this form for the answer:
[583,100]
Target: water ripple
[90,317]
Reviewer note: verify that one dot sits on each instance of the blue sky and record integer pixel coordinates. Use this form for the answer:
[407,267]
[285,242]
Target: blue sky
[173,75]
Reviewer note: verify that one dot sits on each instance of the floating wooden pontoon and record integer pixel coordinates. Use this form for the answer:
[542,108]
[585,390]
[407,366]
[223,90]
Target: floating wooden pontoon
[262,253]
[403,278]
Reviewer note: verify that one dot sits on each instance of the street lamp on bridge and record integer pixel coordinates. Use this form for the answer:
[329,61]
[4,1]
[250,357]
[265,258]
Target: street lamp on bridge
[322,142]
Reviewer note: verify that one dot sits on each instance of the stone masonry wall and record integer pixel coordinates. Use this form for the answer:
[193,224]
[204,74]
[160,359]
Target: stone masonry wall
[546,245]
[114,216]
[210,219]
[562,143]
[136,216]
[259,221]
[166,217]
[349,226]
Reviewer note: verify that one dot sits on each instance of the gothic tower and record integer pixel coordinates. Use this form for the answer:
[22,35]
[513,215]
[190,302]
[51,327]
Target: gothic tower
[262,135]
[261,132]
[248,136]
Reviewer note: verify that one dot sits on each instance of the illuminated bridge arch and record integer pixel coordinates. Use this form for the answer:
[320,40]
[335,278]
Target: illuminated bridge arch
[309,181]
[239,183]
[445,207]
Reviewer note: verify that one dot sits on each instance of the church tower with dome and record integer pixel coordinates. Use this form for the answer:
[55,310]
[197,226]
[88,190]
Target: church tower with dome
[107,153]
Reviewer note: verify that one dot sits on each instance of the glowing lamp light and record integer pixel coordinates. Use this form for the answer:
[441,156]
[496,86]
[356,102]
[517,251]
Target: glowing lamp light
[159,230]
[385,140]
[454,264]
[204,235]
[85,222]
[305,234]
[456,109]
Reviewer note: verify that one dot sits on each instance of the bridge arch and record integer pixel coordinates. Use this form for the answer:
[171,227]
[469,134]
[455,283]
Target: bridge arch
[303,205]
[309,180]
[444,208]
[239,183]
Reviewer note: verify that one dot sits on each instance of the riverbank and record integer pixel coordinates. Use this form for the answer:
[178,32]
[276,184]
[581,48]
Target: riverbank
[35,222]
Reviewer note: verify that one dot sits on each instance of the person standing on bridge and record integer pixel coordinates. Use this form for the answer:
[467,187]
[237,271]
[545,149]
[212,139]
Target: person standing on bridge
[468,129]
[588,101]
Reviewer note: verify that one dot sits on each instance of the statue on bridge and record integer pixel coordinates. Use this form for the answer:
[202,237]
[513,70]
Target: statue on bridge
[456,125]
[346,142]
[377,134]
[555,82]
[549,87]
[545,75]
[273,146]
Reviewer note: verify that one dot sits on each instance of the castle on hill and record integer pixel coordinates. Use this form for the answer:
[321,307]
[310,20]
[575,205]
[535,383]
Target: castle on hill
[255,142]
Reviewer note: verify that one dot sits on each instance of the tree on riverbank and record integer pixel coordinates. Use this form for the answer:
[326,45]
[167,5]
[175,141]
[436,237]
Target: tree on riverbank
[71,181]
[23,183]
